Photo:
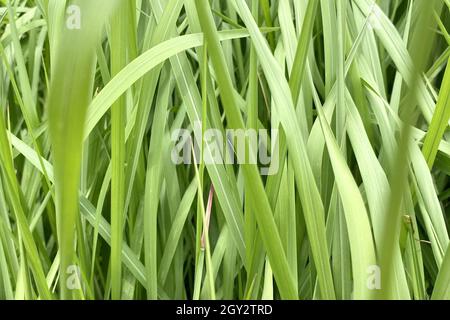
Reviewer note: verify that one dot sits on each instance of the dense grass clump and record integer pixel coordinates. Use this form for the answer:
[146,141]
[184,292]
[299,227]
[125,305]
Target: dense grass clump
[235,149]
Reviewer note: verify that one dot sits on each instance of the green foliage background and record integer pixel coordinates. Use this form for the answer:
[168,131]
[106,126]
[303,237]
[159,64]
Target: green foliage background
[92,207]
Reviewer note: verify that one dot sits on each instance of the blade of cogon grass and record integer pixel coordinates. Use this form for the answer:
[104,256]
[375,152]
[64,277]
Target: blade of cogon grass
[118,121]
[439,121]
[67,105]
[276,254]
[305,183]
